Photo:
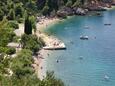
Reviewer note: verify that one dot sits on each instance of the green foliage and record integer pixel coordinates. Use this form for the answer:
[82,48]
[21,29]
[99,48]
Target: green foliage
[3,49]
[31,7]
[31,80]
[31,42]
[69,3]
[6,35]
[10,51]
[11,15]
[13,24]
[33,22]
[40,4]
[14,9]
[7,50]
[4,64]
[21,65]
[77,3]
[19,10]
[28,25]
[52,4]
[45,10]
[23,74]
[51,80]
[1,14]
[20,20]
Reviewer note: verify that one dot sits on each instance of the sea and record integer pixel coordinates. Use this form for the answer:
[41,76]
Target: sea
[85,62]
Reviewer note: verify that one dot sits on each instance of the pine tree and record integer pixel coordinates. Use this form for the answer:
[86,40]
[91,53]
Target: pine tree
[28,26]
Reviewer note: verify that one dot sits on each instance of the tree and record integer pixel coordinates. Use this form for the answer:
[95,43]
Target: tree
[28,25]
[45,10]
[19,10]
[77,4]
[11,15]
[4,64]
[33,21]
[53,5]
[69,3]
[1,14]
[82,2]
[40,4]
[31,42]
[21,64]
[6,34]
[51,80]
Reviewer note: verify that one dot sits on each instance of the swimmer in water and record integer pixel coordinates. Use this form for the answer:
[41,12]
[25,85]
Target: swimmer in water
[57,61]
[81,57]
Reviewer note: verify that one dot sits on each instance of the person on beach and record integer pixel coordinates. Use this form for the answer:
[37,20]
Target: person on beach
[41,67]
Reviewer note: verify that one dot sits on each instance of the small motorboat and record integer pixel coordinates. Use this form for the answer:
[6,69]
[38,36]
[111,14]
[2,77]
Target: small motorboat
[106,77]
[81,57]
[107,24]
[84,37]
[86,27]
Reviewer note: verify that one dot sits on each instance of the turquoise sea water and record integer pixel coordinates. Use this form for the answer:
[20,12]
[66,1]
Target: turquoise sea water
[98,54]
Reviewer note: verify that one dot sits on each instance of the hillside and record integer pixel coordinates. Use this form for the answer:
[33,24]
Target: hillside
[15,9]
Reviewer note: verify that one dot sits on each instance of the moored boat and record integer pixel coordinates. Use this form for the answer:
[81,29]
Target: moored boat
[84,37]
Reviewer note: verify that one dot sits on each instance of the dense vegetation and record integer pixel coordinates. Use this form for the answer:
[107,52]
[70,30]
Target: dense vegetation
[18,72]
[32,42]
[6,35]
[15,9]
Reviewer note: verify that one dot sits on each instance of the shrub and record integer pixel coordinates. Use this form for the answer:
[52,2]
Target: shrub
[22,63]
[16,39]
[69,3]
[10,51]
[45,10]
[31,42]
[13,24]
[20,20]
[7,50]
[2,49]
[11,15]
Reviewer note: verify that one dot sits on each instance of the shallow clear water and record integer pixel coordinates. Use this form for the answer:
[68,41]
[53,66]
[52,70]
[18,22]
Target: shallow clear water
[98,54]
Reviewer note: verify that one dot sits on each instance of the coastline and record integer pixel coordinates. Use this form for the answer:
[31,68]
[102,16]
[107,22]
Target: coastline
[46,22]
[112,8]
[43,24]
[39,63]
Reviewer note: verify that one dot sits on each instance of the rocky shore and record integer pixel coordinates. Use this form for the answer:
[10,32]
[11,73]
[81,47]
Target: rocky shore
[84,10]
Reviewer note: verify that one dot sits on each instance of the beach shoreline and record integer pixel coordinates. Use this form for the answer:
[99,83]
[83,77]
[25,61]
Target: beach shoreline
[43,24]
[39,63]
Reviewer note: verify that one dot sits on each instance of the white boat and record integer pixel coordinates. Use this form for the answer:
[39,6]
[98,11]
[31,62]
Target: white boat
[86,27]
[107,24]
[106,77]
[84,37]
